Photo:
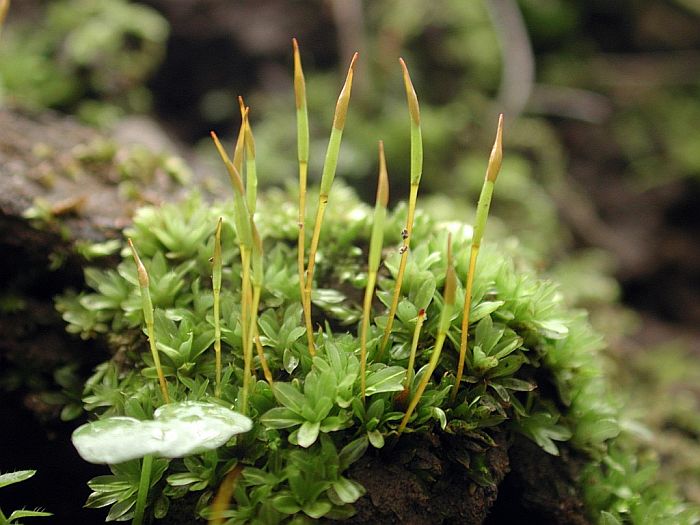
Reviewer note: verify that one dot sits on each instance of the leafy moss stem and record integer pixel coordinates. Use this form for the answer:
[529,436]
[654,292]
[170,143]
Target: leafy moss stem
[445,320]
[144,486]
[414,346]
[216,290]
[482,212]
[327,176]
[303,157]
[147,306]
[375,254]
[416,173]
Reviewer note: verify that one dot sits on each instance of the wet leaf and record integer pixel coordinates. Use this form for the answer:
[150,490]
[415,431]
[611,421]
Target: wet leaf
[177,430]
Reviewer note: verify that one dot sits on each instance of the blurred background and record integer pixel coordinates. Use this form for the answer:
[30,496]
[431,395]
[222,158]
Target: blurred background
[600,187]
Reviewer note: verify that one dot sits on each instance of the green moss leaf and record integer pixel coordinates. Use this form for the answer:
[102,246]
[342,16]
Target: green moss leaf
[317,509]
[15,477]
[348,491]
[387,379]
[308,433]
[281,417]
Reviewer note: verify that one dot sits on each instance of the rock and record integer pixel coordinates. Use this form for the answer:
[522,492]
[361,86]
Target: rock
[62,186]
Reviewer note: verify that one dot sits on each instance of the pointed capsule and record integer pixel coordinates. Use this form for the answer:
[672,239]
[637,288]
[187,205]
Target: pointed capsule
[411,96]
[234,172]
[341,110]
[251,170]
[219,147]
[416,133]
[144,282]
[302,112]
[302,139]
[416,173]
[140,268]
[299,81]
[240,208]
[242,106]
[496,156]
[341,107]
[239,149]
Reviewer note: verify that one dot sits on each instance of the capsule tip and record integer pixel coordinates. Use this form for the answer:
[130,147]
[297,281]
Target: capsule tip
[140,268]
[496,157]
[411,96]
[354,59]
[341,108]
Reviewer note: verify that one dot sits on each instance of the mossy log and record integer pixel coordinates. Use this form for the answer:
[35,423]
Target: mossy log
[62,184]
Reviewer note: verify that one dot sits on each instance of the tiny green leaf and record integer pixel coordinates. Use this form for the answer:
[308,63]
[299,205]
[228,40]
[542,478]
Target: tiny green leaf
[388,379]
[286,504]
[352,452]
[553,329]
[348,491]
[423,290]
[15,477]
[19,514]
[317,509]
[281,417]
[376,438]
[289,396]
[483,309]
[308,432]
[607,518]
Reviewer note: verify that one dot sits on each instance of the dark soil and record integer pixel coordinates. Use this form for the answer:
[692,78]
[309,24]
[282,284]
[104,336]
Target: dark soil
[417,483]
[422,482]
[540,488]
[60,484]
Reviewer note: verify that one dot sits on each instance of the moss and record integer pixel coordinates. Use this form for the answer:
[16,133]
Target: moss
[215,279]
[535,367]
